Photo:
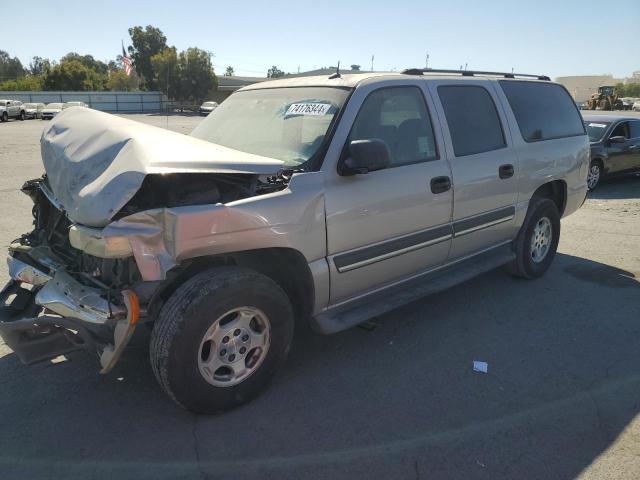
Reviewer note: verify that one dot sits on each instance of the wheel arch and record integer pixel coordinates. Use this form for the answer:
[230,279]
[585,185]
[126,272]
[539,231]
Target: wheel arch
[287,267]
[555,190]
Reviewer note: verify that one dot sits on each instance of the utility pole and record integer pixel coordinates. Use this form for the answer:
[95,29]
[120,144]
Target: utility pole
[372,63]
[426,62]
[465,66]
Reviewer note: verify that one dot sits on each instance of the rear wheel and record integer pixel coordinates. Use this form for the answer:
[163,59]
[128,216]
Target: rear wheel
[536,244]
[5,117]
[22,115]
[594,175]
[220,338]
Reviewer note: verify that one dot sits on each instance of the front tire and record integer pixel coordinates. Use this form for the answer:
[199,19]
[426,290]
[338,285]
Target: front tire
[5,117]
[220,338]
[22,116]
[536,244]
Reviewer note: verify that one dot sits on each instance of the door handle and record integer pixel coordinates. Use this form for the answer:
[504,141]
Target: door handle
[506,171]
[440,184]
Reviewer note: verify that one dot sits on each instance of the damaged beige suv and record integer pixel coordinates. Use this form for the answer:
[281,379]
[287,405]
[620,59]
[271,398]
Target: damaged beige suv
[327,200]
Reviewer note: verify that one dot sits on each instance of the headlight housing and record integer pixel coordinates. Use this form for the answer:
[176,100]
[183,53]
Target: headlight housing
[91,241]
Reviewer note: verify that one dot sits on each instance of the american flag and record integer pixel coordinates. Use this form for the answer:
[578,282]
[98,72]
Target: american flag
[126,61]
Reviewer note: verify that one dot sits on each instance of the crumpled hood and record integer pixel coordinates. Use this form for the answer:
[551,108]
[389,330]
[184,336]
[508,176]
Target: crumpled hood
[96,162]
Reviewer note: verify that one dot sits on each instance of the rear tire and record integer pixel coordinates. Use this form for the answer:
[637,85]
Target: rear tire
[22,116]
[197,350]
[595,174]
[5,117]
[537,242]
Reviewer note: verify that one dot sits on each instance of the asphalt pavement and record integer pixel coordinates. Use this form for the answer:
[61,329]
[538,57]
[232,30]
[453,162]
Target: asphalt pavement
[561,398]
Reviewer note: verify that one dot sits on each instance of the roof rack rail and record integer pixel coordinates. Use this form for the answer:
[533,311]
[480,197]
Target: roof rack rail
[471,73]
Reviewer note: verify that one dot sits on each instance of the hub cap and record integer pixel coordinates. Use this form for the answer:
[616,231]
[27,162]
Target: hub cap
[593,176]
[234,346]
[541,240]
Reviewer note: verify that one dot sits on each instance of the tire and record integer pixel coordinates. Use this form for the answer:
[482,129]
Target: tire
[596,173]
[542,213]
[217,300]
[5,117]
[22,116]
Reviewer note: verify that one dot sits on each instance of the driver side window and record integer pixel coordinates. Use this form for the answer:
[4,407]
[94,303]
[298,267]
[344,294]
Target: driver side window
[399,117]
[621,130]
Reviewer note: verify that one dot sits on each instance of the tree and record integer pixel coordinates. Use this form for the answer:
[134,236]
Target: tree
[88,61]
[164,64]
[274,72]
[10,68]
[355,67]
[120,81]
[72,75]
[23,84]
[145,44]
[196,75]
[39,65]
[229,72]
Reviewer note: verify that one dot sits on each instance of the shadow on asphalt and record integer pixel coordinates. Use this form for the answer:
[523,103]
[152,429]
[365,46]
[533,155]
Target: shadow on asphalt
[623,187]
[400,401]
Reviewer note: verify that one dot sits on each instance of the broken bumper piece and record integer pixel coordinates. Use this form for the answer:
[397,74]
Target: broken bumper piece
[45,313]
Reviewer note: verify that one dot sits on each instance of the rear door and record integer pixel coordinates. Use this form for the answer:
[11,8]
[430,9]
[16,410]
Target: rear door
[483,164]
[386,225]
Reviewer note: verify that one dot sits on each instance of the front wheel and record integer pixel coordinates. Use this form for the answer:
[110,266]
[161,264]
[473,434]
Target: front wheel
[536,244]
[22,116]
[220,338]
[594,175]
[5,117]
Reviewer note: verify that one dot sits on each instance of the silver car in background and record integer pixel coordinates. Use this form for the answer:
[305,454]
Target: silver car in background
[207,107]
[33,110]
[74,104]
[51,110]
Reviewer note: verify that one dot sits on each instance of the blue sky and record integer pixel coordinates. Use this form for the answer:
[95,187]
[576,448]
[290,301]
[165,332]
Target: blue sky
[545,37]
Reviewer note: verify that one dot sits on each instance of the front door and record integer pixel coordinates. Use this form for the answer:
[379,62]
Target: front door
[389,224]
[483,164]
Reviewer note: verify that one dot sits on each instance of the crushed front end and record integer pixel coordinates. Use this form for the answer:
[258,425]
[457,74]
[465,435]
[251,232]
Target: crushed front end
[60,299]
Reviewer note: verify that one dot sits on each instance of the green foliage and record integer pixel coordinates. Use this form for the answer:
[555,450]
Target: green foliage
[73,75]
[146,43]
[196,75]
[164,66]
[628,89]
[229,72]
[23,84]
[119,81]
[39,65]
[10,68]
[274,72]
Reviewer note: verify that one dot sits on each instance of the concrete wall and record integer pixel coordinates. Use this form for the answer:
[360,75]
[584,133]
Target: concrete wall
[581,87]
[105,101]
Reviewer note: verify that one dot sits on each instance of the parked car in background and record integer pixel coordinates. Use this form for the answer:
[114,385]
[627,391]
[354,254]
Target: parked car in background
[51,110]
[615,146]
[11,109]
[33,110]
[207,107]
[377,190]
[627,103]
[636,106]
[74,104]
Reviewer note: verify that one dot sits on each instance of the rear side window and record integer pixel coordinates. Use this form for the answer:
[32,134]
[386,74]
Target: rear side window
[544,111]
[472,118]
[635,129]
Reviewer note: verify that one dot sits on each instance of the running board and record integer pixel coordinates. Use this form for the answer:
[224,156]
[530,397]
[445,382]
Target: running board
[383,301]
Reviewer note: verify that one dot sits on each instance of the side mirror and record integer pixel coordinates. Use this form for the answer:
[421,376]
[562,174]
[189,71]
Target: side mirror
[618,139]
[366,156]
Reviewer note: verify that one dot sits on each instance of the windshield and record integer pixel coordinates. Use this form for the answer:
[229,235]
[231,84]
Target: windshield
[72,104]
[54,105]
[29,105]
[287,124]
[596,130]
[3,103]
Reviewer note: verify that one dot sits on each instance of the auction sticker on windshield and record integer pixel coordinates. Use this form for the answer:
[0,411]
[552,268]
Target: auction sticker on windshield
[308,109]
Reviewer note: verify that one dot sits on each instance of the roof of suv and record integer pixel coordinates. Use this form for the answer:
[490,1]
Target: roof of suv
[351,80]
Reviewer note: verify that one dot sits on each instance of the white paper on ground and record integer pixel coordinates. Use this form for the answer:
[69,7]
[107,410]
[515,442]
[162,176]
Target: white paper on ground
[479,366]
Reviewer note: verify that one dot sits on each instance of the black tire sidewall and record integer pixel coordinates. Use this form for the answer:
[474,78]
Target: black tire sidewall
[185,382]
[599,165]
[540,208]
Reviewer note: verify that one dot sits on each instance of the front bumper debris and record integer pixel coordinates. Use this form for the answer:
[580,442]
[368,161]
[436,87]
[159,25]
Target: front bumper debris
[45,312]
